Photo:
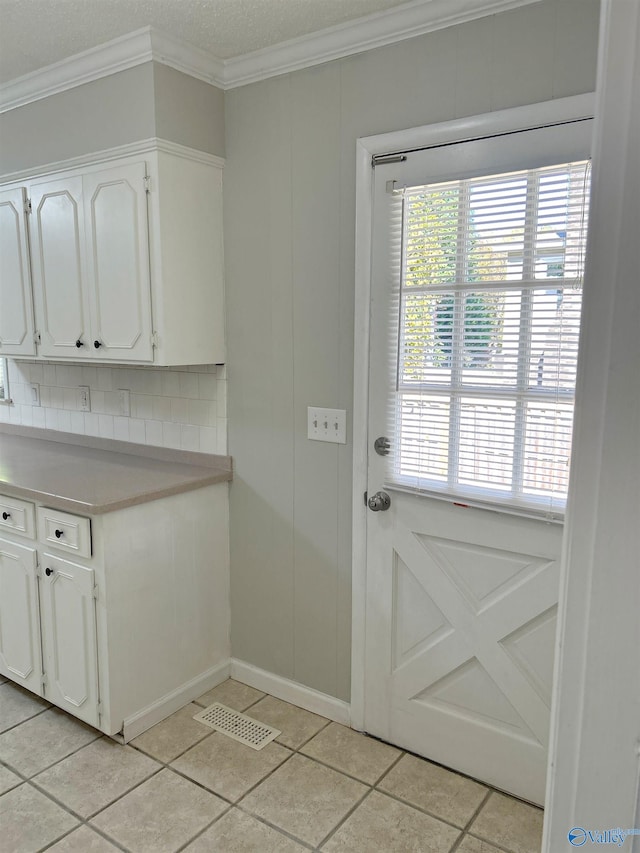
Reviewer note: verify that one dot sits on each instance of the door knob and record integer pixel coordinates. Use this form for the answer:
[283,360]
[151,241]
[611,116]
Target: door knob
[380,502]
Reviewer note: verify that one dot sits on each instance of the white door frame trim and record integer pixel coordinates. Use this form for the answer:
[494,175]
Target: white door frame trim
[457,130]
[593,778]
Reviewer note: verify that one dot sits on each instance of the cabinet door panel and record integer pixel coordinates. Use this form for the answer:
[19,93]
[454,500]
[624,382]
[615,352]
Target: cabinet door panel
[16,317]
[58,247]
[19,616]
[118,259]
[69,638]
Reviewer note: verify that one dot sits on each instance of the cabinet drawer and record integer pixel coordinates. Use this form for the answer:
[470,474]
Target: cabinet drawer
[17,516]
[70,533]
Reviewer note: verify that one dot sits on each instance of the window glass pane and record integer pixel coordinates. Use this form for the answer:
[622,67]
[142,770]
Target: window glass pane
[496,226]
[431,232]
[486,443]
[424,430]
[555,332]
[547,448]
[490,306]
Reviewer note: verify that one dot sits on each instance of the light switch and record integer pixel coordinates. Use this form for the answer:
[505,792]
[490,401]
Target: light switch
[327,425]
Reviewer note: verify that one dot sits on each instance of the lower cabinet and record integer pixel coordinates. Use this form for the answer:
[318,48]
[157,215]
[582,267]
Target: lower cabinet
[69,648]
[20,650]
[136,625]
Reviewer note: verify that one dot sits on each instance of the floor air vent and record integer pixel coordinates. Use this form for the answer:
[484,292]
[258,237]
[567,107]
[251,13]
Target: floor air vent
[237,726]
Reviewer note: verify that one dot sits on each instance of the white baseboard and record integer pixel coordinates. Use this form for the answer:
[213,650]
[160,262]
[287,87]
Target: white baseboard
[291,691]
[172,702]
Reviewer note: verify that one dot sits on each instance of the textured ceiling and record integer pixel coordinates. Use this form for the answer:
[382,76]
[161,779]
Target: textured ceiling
[35,33]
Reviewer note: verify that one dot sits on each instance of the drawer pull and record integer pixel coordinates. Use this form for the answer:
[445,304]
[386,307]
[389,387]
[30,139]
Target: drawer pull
[6,515]
[97,344]
[48,572]
[79,343]
[59,533]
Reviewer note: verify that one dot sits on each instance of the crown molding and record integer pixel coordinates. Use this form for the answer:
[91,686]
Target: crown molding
[149,44]
[186,58]
[127,51]
[377,30]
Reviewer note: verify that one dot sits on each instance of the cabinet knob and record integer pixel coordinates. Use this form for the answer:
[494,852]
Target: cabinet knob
[59,533]
[6,515]
[48,572]
[97,344]
[79,343]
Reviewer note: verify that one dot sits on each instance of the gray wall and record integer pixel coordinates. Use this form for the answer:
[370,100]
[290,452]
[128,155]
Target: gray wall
[289,242]
[139,103]
[111,111]
[188,111]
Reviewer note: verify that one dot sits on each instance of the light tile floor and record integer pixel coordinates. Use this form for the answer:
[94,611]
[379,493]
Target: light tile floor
[181,786]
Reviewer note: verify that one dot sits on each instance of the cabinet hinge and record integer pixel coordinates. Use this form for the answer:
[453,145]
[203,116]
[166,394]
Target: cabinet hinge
[147,184]
[155,342]
[99,709]
[37,339]
[27,205]
[96,592]
[45,680]
[365,498]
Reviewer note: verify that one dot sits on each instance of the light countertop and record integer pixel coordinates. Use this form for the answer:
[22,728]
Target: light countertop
[92,476]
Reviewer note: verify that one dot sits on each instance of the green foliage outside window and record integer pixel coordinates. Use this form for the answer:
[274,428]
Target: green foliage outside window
[432,227]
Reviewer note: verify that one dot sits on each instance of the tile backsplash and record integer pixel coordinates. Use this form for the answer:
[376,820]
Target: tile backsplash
[182,408]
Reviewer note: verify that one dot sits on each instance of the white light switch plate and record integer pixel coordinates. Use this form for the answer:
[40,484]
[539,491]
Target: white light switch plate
[327,425]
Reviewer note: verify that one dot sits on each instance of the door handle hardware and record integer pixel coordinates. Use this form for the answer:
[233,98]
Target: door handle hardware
[59,533]
[382,446]
[48,572]
[380,502]
[6,515]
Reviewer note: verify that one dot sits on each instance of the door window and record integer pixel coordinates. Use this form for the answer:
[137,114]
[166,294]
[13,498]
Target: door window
[489,297]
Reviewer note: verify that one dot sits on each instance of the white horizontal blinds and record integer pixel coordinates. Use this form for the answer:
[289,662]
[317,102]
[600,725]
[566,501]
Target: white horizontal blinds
[488,336]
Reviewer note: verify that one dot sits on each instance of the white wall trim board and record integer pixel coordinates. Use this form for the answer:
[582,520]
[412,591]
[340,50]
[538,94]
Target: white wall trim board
[594,755]
[136,48]
[291,691]
[120,151]
[502,121]
[172,702]
[186,58]
[376,30]
[147,44]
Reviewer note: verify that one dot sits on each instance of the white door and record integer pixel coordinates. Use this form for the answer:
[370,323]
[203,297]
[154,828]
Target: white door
[69,642]
[16,313]
[473,339]
[19,616]
[118,262]
[61,305]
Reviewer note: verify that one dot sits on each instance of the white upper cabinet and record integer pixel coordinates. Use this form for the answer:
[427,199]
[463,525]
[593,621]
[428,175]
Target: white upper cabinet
[58,239]
[16,316]
[126,259]
[115,207]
